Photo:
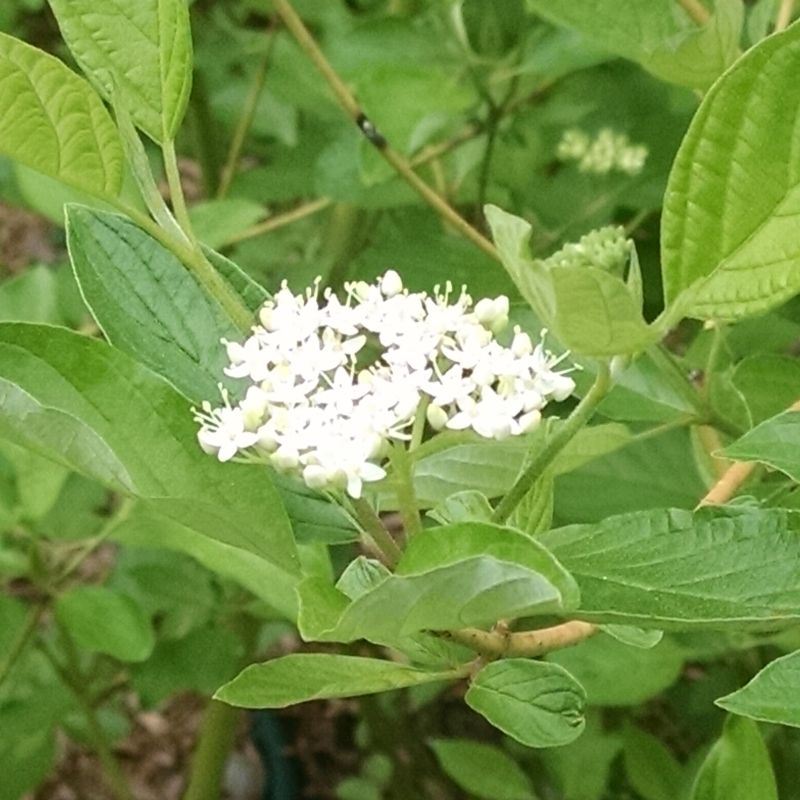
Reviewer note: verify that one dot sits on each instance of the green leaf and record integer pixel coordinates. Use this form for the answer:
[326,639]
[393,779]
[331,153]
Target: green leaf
[218,220]
[589,310]
[595,313]
[669,568]
[276,587]
[463,463]
[448,577]
[147,303]
[768,384]
[536,703]
[53,122]
[104,621]
[466,506]
[138,49]
[482,770]
[772,695]
[83,403]
[634,637]
[774,442]
[581,769]
[630,479]
[729,228]
[658,34]
[312,676]
[199,662]
[737,767]
[613,674]
[534,514]
[652,770]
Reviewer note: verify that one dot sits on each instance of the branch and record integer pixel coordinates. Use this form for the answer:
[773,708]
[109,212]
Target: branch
[350,105]
[524,644]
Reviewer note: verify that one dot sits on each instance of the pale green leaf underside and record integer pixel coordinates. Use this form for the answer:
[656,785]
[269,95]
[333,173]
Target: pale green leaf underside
[449,577]
[730,229]
[658,34]
[537,703]
[311,676]
[773,695]
[147,434]
[52,121]
[670,568]
[140,49]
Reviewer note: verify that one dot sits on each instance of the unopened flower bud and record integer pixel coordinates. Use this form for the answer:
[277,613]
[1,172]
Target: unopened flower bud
[437,417]
[391,284]
[521,345]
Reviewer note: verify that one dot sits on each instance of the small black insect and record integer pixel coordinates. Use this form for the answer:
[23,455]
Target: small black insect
[366,127]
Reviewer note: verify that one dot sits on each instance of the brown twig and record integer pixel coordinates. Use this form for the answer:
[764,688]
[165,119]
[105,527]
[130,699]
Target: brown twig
[500,642]
[351,106]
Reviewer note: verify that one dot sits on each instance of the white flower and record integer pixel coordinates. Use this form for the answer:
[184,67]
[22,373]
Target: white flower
[313,405]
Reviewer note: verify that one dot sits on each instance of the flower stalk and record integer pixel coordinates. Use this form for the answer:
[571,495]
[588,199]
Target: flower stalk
[582,413]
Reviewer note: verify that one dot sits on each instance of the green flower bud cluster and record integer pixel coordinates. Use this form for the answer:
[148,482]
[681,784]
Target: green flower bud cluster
[605,248]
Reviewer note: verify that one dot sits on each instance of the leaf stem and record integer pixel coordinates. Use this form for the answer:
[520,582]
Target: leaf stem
[175,187]
[501,642]
[246,118]
[403,469]
[350,105]
[374,528]
[581,414]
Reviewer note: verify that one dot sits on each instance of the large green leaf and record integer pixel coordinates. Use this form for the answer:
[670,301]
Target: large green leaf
[658,34]
[147,303]
[729,229]
[482,770]
[151,307]
[537,703]
[81,402]
[449,577]
[737,767]
[311,676]
[52,120]
[772,695]
[140,50]
[675,569]
[775,442]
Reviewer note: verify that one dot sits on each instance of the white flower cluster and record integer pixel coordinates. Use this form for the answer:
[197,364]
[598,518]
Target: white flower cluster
[607,152]
[332,383]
